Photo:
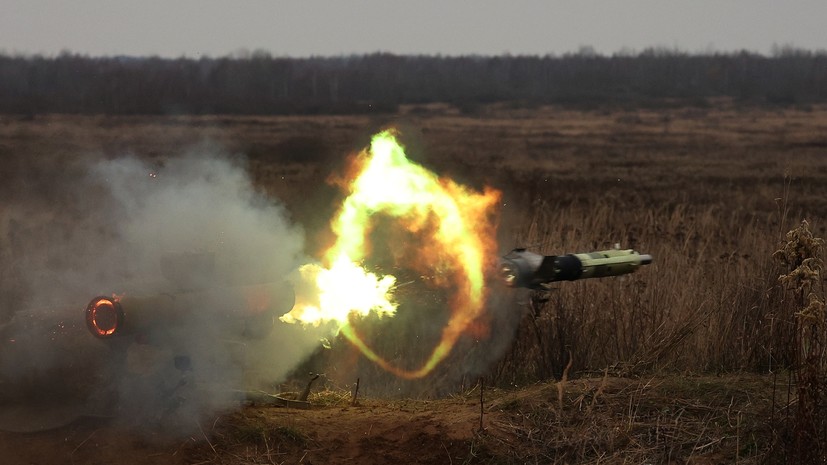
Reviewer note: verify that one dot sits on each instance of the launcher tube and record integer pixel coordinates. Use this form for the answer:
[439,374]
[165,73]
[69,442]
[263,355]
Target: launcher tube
[238,310]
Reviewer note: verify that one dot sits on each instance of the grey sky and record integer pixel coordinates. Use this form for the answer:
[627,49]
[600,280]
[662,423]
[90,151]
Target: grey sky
[314,27]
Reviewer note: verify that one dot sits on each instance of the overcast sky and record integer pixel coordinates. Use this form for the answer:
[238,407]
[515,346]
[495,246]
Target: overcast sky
[313,27]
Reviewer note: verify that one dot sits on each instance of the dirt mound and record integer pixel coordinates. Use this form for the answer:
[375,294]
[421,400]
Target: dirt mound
[375,432]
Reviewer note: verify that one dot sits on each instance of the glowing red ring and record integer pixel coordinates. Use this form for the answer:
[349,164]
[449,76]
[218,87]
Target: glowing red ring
[104,317]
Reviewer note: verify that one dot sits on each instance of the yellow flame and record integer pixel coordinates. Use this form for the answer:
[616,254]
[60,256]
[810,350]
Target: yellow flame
[460,239]
[339,291]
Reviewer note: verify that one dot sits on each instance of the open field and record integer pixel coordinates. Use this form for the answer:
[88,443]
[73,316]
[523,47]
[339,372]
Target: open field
[710,193]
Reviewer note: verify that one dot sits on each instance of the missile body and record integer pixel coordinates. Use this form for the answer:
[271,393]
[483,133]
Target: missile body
[521,268]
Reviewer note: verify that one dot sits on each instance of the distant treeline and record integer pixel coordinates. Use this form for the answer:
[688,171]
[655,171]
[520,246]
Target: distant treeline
[261,84]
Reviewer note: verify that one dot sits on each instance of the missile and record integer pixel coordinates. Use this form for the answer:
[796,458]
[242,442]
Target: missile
[521,268]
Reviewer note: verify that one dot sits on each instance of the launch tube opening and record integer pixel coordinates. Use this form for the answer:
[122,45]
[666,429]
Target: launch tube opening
[103,317]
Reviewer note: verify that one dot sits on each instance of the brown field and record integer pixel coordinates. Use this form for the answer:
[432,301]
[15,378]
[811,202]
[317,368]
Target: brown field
[684,361]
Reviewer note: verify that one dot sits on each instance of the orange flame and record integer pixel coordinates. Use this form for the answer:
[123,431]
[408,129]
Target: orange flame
[458,229]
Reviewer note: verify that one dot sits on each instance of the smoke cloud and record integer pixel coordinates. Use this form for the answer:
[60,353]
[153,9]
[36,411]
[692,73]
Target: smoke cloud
[193,226]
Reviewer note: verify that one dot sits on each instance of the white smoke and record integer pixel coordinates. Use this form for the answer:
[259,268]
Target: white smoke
[107,226]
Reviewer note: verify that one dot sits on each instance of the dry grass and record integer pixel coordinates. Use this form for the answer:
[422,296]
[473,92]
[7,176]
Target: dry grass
[699,420]
[804,305]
